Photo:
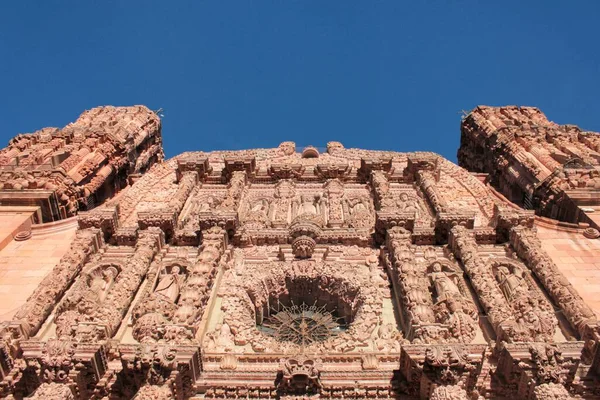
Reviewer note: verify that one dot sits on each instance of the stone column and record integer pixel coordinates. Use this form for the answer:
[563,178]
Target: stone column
[410,283]
[381,186]
[284,193]
[98,180]
[187,182]
[196,292]
[158,318]
[84,317]
[462,242]
[166,219]
[427,182]
[234,191]
[544,157]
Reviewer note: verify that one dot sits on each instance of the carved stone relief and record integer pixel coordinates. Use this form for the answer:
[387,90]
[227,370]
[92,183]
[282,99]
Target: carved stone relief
[272,273]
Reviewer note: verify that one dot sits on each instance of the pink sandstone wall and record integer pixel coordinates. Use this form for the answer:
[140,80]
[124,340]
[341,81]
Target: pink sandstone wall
[23,264]
[577,257]
[10,224]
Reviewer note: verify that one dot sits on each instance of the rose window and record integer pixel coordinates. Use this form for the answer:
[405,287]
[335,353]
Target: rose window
[302,324]
[306,312]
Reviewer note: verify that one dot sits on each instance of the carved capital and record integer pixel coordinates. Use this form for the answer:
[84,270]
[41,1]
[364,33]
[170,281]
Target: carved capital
[333,170]
[166,220]
[227,220]
[528,365]
[158,366]
[390,219]
[246,164]
[368,165]
[429,367]
[193,163]
[75,365]
[126,236]
[104,218]
[420,162]
[286,171]
[506,218]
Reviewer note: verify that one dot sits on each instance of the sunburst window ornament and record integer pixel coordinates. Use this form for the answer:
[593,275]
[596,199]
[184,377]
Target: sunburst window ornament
[302,324]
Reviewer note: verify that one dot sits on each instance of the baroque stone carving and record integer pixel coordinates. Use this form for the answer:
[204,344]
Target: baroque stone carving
[64,170]
[299,376]
[271,273]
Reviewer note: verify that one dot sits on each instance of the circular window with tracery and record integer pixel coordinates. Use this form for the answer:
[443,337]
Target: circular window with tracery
[282,306]
[302,324]
[307,310]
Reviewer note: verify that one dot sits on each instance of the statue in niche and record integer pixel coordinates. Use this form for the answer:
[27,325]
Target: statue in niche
[510,282]
[357,206]
[452,307]
[325,203]
[102,280]
[258,213]
[238,260]
[445,284]
[408,205]
[261,206]
[358,214]
[307,206]
[208,205]
[170,284]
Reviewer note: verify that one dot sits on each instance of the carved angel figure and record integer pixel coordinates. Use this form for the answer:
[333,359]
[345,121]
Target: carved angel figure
[357,205]
[261,206]
[102,280]
[388,338]
[170,284]
[407,205]
[225,338]
[358,214]
[207,205]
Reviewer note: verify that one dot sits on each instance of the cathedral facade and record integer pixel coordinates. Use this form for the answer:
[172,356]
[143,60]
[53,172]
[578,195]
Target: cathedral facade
[299,273]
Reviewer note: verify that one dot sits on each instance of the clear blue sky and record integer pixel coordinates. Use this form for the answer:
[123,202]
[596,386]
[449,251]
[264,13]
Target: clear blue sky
[239,74]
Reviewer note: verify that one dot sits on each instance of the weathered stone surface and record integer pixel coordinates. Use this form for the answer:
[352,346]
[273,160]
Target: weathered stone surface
[553,169]
[293,274]
[81,165]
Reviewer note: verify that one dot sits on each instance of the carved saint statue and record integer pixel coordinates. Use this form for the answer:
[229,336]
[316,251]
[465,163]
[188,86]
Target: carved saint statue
[510,283]
[445,285]
[170,284]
